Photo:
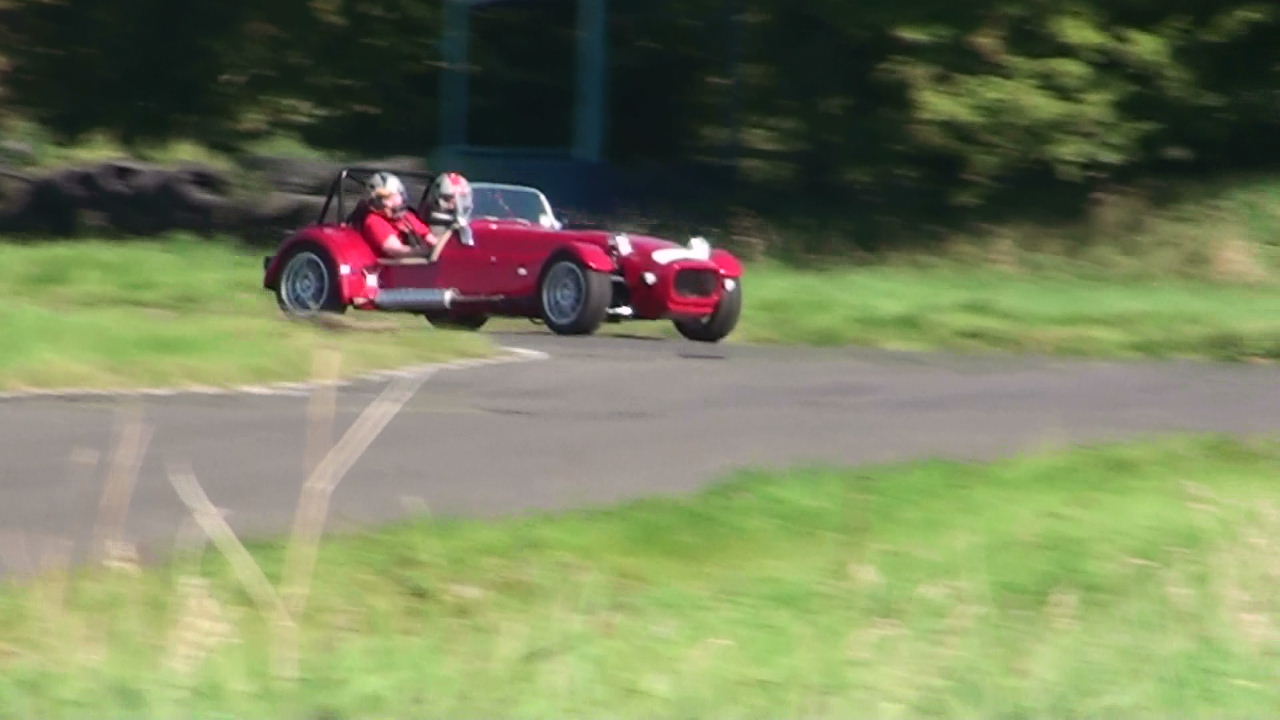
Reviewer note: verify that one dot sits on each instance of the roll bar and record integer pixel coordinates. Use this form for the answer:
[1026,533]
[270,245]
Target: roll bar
[362,175]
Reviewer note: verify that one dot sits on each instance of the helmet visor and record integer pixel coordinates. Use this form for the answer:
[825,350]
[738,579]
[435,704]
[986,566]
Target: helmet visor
[388,199]
[463,206]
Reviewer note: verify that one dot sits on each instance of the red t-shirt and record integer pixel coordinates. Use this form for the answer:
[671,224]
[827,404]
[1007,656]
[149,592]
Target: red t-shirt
[377,229]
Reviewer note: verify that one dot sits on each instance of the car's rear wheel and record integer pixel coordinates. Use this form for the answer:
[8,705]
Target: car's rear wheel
[716,326]
[447,321]
[309,282]
[574,299]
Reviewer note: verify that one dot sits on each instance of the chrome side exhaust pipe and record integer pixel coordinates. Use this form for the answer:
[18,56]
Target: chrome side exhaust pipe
[426,299]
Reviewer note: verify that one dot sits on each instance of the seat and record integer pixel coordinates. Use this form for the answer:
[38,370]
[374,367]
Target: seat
[357,215]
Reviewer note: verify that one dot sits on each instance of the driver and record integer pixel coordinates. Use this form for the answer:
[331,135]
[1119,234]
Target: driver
[390,227]
[448,205]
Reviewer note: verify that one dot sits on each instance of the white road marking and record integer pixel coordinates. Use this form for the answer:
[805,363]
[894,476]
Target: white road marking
[290,389]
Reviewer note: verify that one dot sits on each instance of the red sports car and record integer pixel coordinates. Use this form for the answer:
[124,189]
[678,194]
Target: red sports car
[516,260]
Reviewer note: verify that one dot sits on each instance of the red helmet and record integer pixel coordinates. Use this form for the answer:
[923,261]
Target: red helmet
[450,198]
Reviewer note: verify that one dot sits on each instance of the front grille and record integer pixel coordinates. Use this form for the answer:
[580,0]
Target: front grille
[697,283]
[621,292]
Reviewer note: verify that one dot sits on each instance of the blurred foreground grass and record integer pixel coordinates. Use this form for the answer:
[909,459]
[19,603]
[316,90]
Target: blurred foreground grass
[173,311]
[1125,581]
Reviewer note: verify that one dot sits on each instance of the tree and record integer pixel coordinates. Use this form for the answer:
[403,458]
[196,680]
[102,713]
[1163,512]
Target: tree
[144,68]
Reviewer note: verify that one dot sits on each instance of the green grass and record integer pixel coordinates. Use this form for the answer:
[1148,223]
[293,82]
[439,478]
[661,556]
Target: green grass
[1184,270]
[1189,269]
[181,310]
[172,312]
[1134,581]
[1224,227]
[973,308]
[963,307]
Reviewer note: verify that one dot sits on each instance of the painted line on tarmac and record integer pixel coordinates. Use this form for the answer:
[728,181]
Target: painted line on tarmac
[279,389]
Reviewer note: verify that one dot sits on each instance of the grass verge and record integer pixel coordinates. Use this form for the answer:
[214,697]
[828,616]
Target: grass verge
[1135,581]
[182,310]
[175,311]
[968,308]
[961,307]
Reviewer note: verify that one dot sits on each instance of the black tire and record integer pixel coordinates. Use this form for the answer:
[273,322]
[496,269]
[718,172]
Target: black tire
[295,296]
[716,326]
[573,299]
[446,321]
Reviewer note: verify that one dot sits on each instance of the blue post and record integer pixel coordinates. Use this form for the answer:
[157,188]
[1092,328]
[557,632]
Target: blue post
[454,77]
[590,98]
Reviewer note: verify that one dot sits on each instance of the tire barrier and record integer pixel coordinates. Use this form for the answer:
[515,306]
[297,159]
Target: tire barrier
[270,197]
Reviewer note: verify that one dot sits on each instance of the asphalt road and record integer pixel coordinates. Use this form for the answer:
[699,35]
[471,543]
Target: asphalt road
[601,421]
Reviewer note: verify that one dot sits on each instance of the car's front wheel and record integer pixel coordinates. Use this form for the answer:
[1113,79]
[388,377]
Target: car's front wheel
[574,299]
[309,282]
[716,326]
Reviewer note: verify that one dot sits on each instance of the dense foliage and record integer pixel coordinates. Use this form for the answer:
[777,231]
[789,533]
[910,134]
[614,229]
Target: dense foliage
[944,100]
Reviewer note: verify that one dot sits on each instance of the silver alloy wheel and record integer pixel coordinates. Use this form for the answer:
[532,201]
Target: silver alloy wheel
[305,283]
[564,290]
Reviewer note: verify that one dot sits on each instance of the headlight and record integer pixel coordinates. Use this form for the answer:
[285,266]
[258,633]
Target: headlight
[650,279]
